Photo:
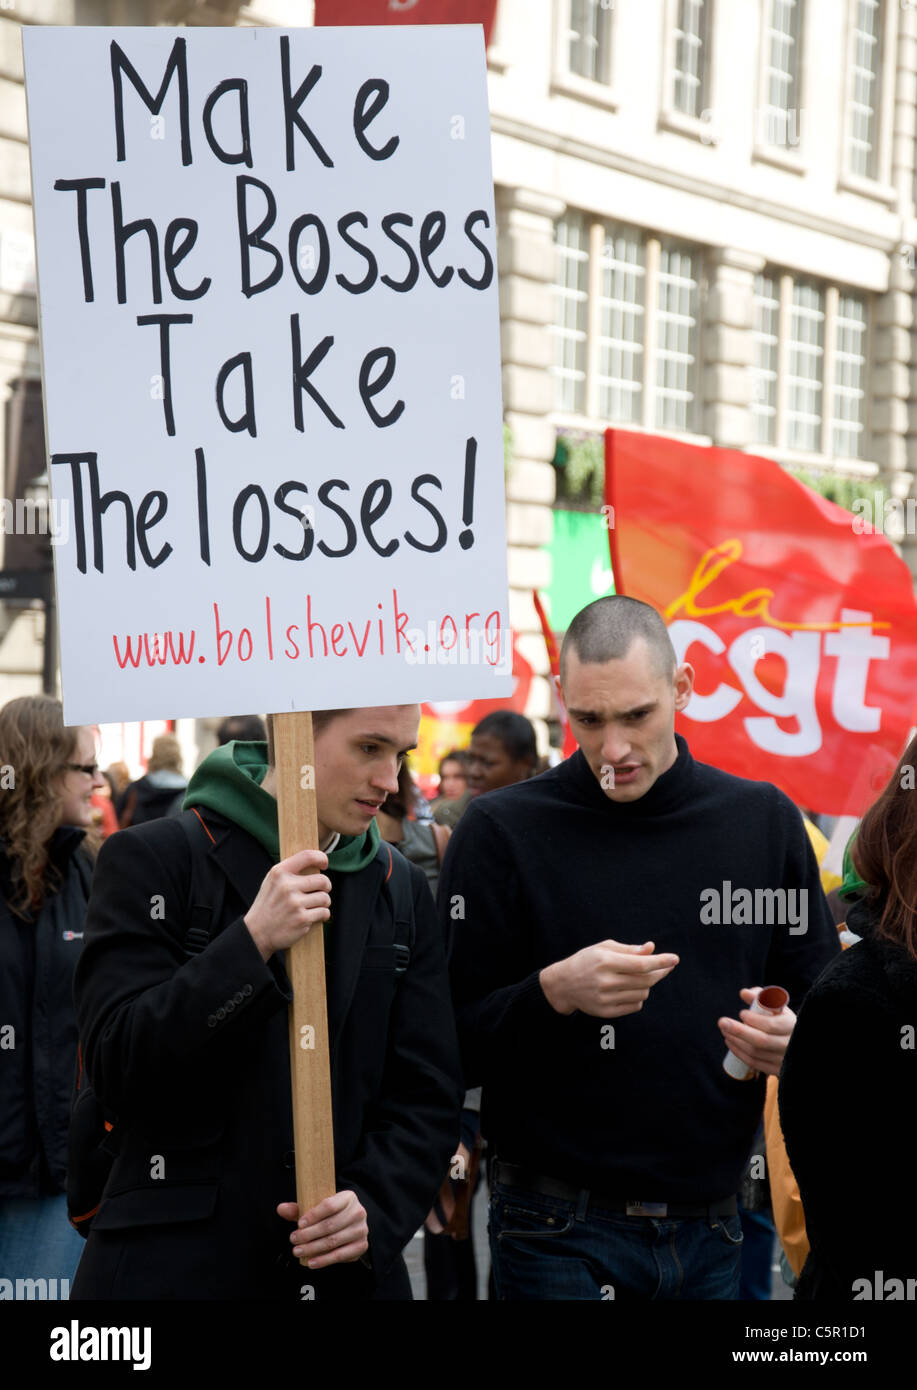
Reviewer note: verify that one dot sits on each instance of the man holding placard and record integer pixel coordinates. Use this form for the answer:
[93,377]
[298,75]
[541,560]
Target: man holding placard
[191,1054]
[281,247]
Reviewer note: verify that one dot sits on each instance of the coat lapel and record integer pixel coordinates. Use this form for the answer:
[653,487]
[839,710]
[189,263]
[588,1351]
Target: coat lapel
[240,857]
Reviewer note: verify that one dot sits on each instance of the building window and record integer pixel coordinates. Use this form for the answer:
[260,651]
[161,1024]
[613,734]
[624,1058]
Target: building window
[810,374]
[589,39]
[805,378]
[621,329]
[571,292]
[690,57]
[849,400]
[863,101]
[767,319]
[627,326]
[780,115]
[676,337]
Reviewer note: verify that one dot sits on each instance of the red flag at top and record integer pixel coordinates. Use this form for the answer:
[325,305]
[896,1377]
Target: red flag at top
[407,12]
[798,618]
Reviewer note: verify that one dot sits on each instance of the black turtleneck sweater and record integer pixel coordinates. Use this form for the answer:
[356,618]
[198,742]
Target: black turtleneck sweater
[537,871]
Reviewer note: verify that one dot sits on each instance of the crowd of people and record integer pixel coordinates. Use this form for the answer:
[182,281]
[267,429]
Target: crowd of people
[523,980]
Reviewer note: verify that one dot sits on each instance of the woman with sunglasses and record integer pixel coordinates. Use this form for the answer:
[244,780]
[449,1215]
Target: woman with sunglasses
[48,774]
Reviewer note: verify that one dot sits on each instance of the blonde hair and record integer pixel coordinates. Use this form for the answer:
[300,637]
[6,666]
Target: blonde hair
[165,755]
[36,745]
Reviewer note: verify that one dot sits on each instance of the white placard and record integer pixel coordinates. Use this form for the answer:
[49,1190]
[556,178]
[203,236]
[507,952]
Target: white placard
[270,338]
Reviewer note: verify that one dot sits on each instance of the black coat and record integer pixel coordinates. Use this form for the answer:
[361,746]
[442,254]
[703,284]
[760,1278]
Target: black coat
[192,1055]
[37,1024]
[847,1093]
[150,797]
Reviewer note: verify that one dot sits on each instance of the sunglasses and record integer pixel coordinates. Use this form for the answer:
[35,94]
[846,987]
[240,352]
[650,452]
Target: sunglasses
[90,769]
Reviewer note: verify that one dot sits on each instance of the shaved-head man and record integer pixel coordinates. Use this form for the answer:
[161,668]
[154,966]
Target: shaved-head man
[599,960]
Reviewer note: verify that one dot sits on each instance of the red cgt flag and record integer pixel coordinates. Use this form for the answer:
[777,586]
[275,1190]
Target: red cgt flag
[798,618]
[407,12]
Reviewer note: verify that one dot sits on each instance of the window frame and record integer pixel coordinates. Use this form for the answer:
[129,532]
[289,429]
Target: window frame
[879,184]
[599,228]
[792,159]
[564,81]
[558,330]
[832,293]
[670,117]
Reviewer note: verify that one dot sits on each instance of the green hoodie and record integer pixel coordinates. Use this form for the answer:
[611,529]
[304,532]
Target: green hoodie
[852,886]
[229,781]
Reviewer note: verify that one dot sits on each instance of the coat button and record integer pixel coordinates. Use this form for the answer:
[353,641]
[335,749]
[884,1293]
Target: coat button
[221,1014]
[229,1006]
[212,1021]
[238,997]
[289,1159]
[246,990]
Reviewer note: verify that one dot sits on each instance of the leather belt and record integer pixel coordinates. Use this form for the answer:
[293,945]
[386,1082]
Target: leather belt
[511,1175]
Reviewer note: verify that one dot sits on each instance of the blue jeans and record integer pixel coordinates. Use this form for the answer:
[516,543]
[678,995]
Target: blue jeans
[757,1254]
[39,1249]
[546,1248]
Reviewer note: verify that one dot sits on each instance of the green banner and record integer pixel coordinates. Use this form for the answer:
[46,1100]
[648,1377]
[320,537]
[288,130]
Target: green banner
[580,565]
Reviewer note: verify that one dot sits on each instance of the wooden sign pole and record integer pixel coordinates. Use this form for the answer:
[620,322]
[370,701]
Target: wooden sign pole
[310,1062]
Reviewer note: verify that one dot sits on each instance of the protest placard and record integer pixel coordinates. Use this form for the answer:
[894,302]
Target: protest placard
[270,337]
[270,346]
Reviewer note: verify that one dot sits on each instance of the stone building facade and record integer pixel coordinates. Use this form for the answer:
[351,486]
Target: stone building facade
[706,227]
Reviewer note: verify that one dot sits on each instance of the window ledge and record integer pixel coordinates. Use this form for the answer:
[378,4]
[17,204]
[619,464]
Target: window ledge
[780,158]
[585,424]
[868,188]
[497,58]
[695,127]
[570,84]
[818,463]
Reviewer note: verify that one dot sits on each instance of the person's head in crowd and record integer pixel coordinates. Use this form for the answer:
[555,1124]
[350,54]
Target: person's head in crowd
[118,777]
[246,728]
[502,751]
[622,685]
[358,756]
[453,775]
[402,804]
[48,773]
[884,854]
[165,755]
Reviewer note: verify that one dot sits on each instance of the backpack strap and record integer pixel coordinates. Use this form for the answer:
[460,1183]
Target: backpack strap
[207,887]
[401,896]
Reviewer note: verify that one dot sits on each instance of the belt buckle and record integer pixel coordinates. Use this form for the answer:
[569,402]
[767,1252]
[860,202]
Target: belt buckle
[646,1208]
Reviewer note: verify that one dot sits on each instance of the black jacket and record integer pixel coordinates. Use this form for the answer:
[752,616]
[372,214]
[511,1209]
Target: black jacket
[150,797]
[37,1022]
[192,1055]
[847,1093]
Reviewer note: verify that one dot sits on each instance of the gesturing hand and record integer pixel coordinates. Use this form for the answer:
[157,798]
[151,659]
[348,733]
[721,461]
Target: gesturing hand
[606,980]
[333,1232]
[760,1039]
